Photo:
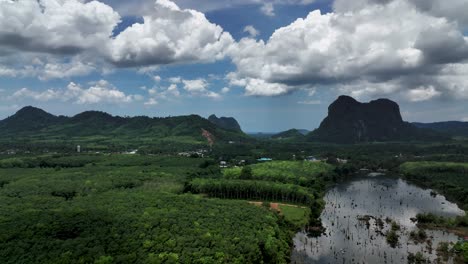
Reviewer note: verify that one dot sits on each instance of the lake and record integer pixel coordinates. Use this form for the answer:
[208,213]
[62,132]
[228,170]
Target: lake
[357,215]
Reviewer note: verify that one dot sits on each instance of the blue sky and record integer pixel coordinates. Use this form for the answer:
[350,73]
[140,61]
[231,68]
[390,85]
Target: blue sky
[281,75]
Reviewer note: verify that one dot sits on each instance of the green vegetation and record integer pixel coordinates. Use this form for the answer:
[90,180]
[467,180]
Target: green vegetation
[32,129]
[392,238]
[294,182]
[419,236]
[113,208]
[462,249]
[127,209]
[302,173]
[417,258]
[297,216]
[252,190]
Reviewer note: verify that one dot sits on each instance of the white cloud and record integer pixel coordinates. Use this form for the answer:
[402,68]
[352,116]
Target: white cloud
[162,93]
[422,94]
[151,102]
[175,79]
[55,26]
[268,9]
[310,102]
[212,95]
[47,95]
[199,87]
[225,90]
[455,10]
[252,31]
[157,78]
[259,87]
[173,90]
[64,70]
[98,92]
[77,37]
[364,90]
[148,70]
[169,35]
[363,47]
[389,47]
[7,72]
[195,86]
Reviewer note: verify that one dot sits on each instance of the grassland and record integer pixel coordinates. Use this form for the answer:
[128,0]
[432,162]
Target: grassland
[302,173]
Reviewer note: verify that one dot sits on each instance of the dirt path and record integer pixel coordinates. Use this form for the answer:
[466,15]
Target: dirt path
[276,206]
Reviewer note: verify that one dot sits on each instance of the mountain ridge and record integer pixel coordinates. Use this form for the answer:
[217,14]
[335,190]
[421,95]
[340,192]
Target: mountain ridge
[34,124]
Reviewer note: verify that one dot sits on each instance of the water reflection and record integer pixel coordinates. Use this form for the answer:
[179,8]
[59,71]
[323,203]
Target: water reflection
[357,217]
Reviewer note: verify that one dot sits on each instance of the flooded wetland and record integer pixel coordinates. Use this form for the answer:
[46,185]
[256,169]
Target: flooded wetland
[369,220]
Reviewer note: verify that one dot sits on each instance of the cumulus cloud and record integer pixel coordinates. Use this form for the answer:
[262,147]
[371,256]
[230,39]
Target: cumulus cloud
[38,96]
[53,70]
[422,94]
[98,92]
[268,9]
[387,46]
[455,10]
[80,36]
[199,87]
[157,78]
[7,72]
[173,90]
[164,93]
[175,79]
[363,47]
[169,35]
[151,102]
[252,31]
[55,26]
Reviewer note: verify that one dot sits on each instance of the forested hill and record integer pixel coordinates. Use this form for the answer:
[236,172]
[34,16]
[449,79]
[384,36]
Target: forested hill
[36,125]
[293,134]
[228,123]
[350,121]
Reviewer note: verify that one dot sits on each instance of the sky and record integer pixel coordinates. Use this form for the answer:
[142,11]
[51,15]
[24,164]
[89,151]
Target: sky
[271,64]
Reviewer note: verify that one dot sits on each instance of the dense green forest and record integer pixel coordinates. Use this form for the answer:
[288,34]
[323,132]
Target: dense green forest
[252,190]
[127,209]
[164,208]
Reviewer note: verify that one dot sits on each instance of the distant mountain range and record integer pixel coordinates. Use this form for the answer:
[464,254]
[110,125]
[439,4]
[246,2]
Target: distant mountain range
[35,125]
[350,121]
[452,128]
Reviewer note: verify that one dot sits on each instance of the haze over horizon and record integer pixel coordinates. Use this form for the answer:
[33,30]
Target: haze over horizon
[273,65]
